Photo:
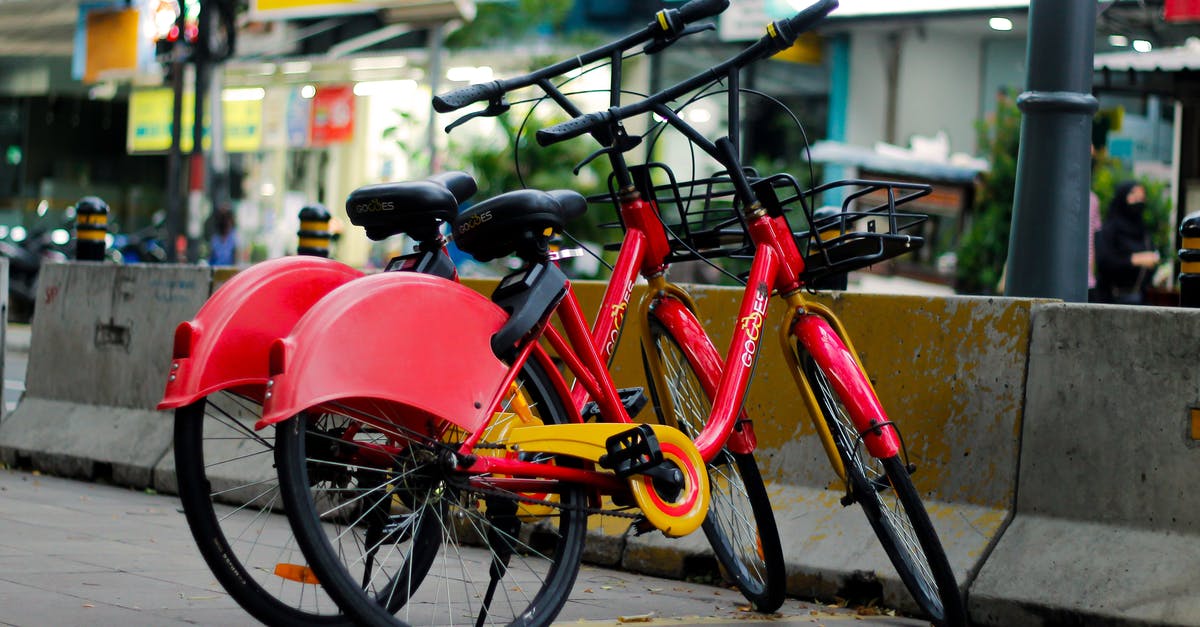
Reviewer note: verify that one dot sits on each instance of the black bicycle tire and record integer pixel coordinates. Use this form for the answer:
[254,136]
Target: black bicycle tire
[766,595]
[950,609]
[546,604]
[195,496]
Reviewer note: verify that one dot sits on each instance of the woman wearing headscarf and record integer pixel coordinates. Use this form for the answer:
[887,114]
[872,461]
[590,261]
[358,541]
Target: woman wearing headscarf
[1125,258]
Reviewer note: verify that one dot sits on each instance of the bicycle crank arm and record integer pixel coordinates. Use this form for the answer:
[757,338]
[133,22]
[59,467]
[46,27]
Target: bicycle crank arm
[665,471]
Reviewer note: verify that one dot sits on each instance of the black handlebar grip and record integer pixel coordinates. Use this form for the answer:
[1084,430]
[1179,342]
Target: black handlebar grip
[700,9]
[460,98]
[806,19]
[571,128]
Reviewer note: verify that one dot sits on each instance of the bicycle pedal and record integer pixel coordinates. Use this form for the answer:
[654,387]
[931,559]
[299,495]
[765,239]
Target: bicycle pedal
[634,399]
[632,452]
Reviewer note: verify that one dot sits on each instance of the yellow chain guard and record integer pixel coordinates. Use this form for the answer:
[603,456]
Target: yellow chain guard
[675,518]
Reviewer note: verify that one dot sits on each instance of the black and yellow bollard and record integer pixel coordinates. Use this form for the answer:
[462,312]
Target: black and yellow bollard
[91,228]
[1189,262]
[314,231]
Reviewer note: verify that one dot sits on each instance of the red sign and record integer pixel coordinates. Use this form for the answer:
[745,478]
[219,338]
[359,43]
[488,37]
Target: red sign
[1181,10]
[332,119]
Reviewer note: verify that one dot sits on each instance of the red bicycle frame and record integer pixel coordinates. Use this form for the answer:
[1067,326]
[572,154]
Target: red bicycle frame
[777,267]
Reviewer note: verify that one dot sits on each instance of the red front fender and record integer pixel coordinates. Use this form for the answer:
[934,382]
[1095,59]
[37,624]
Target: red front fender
[226,344]
[397,346]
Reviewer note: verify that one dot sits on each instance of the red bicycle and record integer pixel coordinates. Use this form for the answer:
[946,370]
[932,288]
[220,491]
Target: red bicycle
[477,465]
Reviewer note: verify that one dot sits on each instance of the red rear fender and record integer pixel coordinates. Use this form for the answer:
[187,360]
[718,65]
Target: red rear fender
[226,344]
[398,346]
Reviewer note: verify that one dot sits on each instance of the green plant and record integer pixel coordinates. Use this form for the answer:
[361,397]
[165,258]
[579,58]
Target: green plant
[510,159]
[984,247]
[417,153]
[509,21]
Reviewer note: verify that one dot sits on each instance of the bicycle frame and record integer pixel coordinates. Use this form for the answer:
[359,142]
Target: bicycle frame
[777,267]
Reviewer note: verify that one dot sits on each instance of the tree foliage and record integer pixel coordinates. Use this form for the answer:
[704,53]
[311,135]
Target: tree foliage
[508,21]
[984,248]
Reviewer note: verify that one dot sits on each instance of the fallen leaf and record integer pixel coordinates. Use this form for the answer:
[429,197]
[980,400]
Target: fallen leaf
[637,618]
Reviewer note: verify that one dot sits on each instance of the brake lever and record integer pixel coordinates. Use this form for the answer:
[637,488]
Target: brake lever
[666,39]
[494,108]
[623,143]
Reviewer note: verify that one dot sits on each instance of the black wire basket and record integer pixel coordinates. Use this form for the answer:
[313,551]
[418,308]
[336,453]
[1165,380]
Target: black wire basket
[704,217]
[864,229]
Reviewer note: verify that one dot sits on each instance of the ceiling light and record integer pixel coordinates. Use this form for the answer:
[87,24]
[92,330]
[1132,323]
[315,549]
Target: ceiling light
[297,67]
[378,63]
[245,94]
[1000,23]
[308,91]
[1119,41]
[1141,45]
[384,88]
[469,74]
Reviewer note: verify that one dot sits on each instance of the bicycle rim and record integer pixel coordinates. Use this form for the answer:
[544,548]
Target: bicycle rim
[230,496]
[447,548]
[740,525]
[893,507]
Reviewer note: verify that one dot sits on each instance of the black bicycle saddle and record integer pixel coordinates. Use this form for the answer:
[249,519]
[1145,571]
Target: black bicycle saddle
[515,222]
[415,208]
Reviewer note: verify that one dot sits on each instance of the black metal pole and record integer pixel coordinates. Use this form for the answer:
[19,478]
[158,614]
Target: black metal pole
[197,172]
[1047,252]
[175,214]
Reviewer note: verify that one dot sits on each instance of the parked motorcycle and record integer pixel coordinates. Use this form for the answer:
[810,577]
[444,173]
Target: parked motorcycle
[26,251]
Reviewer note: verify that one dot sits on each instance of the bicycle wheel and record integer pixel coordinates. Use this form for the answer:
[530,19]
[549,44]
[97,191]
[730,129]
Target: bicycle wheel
[230,496]
[741,524]
[893,507]
[381,515]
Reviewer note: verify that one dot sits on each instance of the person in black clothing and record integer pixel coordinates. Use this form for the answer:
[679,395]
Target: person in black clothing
[1125,258]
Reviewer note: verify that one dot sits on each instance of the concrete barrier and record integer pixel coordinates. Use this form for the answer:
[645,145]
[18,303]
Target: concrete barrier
[101,341]
[1107,526]
[950,372]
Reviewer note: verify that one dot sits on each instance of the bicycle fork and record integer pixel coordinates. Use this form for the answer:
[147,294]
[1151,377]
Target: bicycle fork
[814,328]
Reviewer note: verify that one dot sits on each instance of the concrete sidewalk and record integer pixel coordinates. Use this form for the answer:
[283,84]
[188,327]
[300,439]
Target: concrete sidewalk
[74,553]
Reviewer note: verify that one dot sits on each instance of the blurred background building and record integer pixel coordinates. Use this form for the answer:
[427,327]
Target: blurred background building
[322,96]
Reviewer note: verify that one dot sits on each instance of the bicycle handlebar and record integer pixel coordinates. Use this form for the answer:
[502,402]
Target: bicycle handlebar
[805,19]
[780,35]
[668,23]
[460,98]
[700,9]
[573,128]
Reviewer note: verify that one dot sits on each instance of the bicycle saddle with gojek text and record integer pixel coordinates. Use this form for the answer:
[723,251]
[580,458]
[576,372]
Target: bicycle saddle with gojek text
[517,222]
[415,208]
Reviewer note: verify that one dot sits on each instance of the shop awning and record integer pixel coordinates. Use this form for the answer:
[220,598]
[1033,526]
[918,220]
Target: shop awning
[1177,59]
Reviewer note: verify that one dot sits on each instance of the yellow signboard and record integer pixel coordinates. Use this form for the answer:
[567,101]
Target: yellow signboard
[112,43]
[150,123]
[150,120]
[242,122]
